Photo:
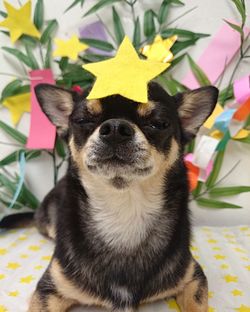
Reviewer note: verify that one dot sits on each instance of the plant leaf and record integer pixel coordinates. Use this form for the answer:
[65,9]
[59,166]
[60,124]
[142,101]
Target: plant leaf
[212,203]
[99,44]
[31,57]
[19,55]
[229,191]
[226,94]
[137,33]
[100,4]
[163,12]
[60,148]
[235,27]
[15,156]
[39,14]
[91,58]
[15,134]
[182,33]
[28,198]
[74,4]
[49,30]
[245,140]
[149,24]
[216,170]
[118,28]
[177,60]
[199,74]
[181,45]
[10,89]
[173,86]
[47,61]
[3,14]
[241,9]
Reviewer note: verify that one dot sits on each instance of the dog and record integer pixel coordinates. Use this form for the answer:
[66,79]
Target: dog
[120,216]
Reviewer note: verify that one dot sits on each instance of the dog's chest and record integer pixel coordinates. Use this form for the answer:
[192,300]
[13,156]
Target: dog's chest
[123,219]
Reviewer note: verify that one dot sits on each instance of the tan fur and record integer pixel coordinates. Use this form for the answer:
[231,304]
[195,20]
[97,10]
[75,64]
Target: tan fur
[144,109]
[51,231]
[67,289]
[59,304]
[35,304]
[94,106]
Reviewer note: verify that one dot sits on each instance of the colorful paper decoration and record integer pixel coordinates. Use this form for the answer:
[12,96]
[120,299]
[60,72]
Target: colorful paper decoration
[217,55]
[42,133]
[125,74]
[242,89]
[204,151]
[210,121]
[19,21]
[159,50]
[243,112]
[69,48]
[17,105]
[223,120]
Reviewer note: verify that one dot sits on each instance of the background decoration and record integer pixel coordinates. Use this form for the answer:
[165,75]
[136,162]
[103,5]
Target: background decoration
[152,36]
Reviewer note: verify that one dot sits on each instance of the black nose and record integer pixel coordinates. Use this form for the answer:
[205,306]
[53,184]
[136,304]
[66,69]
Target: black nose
[116,131]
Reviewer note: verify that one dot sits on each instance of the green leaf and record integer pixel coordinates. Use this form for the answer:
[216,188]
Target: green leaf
[15,156]
[29,198]
[98,44]
[10,89]
[235,27]
[216,170]
[100,4]
[48,32]
[177,60]
[60,148]
[182,33]
[63,63]
[137,33]
[226,94]
[31,41]
[3,14]
[118,28]
[198,189]
[241,9]
[74,4]
[149,24]
[7,183]
[245,140]
[15,134]
[229,191]
[181,45]
[163,12]
[173,86]
[19,55]
[212,203]
[47,61]
[178,2]
[92,58]
[32,59]
[199,74]
[38,15]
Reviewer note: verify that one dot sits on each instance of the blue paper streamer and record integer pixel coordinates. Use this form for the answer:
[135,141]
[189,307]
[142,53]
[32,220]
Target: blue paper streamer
[22,163]
[223,120]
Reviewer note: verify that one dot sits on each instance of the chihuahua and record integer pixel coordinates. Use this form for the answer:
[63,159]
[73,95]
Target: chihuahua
[120,216]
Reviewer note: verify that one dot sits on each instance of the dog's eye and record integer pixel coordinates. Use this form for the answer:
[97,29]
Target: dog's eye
[159,125]
[83,121]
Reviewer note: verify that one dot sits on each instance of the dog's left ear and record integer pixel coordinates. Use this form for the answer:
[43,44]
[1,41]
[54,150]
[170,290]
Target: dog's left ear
[194,107]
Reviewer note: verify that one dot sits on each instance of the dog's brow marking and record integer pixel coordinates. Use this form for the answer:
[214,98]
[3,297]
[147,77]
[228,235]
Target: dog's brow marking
[94,106]
[145,109]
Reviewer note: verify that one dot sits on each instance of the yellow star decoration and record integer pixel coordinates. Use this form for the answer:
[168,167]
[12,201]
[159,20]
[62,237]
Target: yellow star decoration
[125,74]
[244,228]
[13,265]
[247,267]
[24,256]
[219,257]
[17,105]
[2,276]
[231,278]
[19,21]
[70,48]
[46,258]
[38,267]
[224,266]
[34,248]
[159,50]
[210,294]
[3,251]
[243,308]
[216,248]
[13,293]
[26,279]
[211,309]
[240,250]
[236,292]
[3,309]
[212,241]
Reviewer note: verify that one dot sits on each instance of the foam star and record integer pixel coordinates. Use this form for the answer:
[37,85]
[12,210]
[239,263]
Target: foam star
[243,308]
[17,105]
[125,74]
[19,21]
[236,292]
[159,50]
[231,278]
[69,48]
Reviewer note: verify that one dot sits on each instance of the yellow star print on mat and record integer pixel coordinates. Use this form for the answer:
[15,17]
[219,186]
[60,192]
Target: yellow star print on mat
[224,266]
[211,309]
[219,257]
[236,292]
[173,305]
[19,21]
[243,308]
[26,279]
[159,50]
[3,251]
[2,276]
[13,293]
[231,278]
[34,248]
[70,48]
[13,265]
[3,309]
[212,241]
[247,267]
[125,74]
[17,105]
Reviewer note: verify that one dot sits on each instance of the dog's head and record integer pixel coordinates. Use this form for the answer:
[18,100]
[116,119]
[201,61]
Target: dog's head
[120,141]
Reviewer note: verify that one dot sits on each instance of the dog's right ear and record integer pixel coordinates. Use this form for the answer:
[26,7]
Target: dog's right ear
[57,104]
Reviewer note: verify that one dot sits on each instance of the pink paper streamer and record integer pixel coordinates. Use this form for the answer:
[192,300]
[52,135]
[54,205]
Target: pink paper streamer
[242,89]
[42,133]
[220,51]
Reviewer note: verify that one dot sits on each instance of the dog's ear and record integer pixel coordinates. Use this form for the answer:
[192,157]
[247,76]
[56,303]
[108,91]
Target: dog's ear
[57,103]
[194,107]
